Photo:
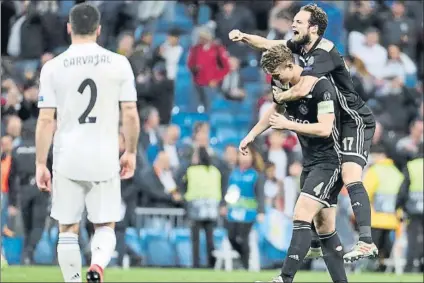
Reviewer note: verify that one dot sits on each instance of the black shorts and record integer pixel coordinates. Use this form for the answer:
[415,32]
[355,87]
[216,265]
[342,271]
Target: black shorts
[358,129]
[322,183]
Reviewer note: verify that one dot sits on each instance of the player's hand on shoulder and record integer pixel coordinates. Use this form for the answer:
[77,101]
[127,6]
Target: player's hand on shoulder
[245,143]
[43,178]
[236,35]
[127,163]
[278,121]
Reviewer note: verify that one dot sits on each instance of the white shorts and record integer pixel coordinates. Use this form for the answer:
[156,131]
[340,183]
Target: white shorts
[69,198]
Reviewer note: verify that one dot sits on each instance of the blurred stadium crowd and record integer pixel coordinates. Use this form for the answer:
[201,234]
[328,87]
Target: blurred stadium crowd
[198,90]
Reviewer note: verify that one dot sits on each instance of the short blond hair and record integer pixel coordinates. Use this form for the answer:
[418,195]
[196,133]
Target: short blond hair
[275,56]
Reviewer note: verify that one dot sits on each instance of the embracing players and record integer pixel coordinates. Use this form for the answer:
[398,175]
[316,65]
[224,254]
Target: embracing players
[316,120]
[320,58]
[85,86]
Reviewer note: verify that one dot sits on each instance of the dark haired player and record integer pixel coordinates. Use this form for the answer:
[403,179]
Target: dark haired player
[319,57]
[85,86]
[315,119]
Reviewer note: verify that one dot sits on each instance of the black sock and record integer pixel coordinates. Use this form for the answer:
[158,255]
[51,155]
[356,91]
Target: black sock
[315,243]
[333,256]
[362,210]
[299,246]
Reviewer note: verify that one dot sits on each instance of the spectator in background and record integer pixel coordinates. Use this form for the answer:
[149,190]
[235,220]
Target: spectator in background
[408,146]
[292,187]
[125,44]
[33,202]
[361,17]
[272,187]
[400,30]
[280,25]
[29,108]
[14,129]
[170,52]
[170,139]
[232,85]
[245,203]
[399,65]
[290,7]
[209,64]
[142,56]
[158,185]
[203,192]
[8,184]
[129,192]
[149,140]
[410,199]
[157,91]
[12,95]
[148,11]
[382,182]
[368,49]
[29,35]
[234,16]
[201,138]
[388,140]
[8,11]
[363,82]
[277,155]
[230,156]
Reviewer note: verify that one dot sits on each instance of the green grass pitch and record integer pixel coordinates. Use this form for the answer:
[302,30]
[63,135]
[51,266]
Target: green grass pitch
[52,274]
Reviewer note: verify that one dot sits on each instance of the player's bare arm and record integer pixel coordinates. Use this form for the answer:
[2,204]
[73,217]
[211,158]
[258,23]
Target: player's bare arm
[131,128]
[254,41]
[323,128]
[301,89]
[43,140]
[261,126]
[131,125]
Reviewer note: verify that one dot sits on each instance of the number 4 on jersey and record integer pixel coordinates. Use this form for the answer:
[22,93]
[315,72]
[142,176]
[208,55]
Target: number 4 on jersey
[84,119]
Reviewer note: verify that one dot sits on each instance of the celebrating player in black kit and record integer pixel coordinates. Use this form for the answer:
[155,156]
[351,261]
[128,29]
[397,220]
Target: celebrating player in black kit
[319,57]
[316,120]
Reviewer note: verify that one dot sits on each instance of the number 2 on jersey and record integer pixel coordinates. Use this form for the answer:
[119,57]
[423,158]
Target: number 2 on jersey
[84,119]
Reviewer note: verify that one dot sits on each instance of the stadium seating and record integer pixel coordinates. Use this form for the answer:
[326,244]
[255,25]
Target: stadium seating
[159,250]
[204,15]
[132,239]
[44,252]
[250,74]
[181,240]
[13,249]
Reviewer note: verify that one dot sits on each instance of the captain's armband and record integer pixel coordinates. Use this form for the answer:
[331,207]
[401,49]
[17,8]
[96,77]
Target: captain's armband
[325,107]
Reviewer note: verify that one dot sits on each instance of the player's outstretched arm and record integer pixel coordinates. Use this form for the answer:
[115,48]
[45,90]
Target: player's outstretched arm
[261,126]
[254,41]
[301,89]
[131,125]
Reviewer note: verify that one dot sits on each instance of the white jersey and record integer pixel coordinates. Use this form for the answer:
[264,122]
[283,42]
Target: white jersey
[85,84]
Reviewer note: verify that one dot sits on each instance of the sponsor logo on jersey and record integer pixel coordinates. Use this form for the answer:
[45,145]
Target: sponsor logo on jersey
[291,118]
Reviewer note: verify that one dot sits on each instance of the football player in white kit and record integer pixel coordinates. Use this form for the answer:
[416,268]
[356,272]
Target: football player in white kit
[86,86]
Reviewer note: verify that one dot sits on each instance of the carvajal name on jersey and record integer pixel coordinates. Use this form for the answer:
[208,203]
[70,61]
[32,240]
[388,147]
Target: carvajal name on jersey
[87,60]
